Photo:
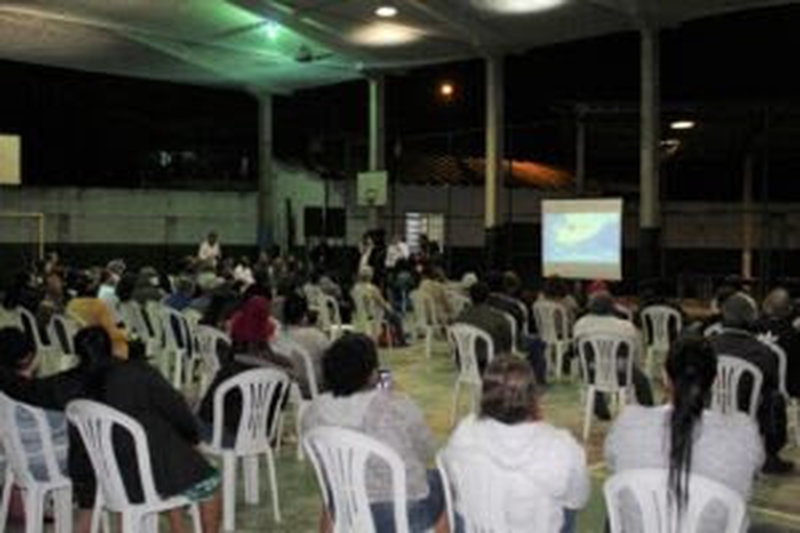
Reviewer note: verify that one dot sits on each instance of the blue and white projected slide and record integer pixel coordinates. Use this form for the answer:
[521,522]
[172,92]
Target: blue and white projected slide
[582,239]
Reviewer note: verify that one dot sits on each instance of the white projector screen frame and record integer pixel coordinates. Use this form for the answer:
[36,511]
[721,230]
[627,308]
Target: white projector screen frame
[582,261]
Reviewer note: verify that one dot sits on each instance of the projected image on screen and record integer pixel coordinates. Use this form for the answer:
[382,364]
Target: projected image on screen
[582,238]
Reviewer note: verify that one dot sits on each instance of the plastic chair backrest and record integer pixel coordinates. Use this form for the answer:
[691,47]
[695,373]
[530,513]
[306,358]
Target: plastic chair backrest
[31,328]
[512,324]
[552,320]
[284,345]
[62,332]
[261,389]
[151,313]
[99,426]
[648,488]
[16,454]
[208,340]
[368,313]
[606,352]
[464,339]
[725,392]
[783,362]
[713,329]
[340,458]
[478,490]
[176,329]
[656,323]
[329,314]
[458,302]
[131,314]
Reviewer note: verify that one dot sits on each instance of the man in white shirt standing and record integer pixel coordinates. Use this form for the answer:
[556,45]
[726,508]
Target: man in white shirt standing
[210,251]
[397,250]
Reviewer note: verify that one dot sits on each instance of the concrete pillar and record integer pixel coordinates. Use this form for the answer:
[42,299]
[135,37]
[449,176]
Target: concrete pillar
[377,137]
[580,151]
[266,218]
[495,125]
[747,218]
[649,182]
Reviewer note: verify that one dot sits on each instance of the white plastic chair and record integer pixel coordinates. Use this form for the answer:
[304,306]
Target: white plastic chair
[713,329]
[463,340]
[657,321]
[369,316]
[476,488]
[725,392]
[609,362]
[96,424]
[553,322]
[178,336]
[18,470]
[296,396]
[648,488]
[207,340]
[425,318]
[61,331]
[48,354]
[330,317]
[792,407]
[260,389]
[458,302]
[340,458]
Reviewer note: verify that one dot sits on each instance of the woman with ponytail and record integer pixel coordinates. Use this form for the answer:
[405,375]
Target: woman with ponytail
[685,438]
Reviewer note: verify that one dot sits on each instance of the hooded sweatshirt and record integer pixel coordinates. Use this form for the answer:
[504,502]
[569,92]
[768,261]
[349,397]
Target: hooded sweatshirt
[538,459]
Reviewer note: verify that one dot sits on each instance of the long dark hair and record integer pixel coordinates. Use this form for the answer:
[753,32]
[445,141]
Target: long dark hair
[692,368]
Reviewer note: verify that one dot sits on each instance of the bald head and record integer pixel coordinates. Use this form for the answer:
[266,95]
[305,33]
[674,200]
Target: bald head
[778,303]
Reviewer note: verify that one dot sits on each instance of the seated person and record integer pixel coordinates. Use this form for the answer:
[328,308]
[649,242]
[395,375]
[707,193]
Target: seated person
[89,310]
[685,438]
[371,295]
[140,391]
[19,361]
[484,317]
[183,295]
[776,322]
[354,402]
[315,342]
[536,456]
[737,340]
[601,320]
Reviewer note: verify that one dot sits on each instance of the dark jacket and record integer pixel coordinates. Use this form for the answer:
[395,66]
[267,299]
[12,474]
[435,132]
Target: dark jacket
[788,338]
[743,345]
[484,317]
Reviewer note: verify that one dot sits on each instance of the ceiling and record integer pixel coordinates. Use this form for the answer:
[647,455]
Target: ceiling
[284,45]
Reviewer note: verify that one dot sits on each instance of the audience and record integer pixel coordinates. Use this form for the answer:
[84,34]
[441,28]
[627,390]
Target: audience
[737,340]
[535,456]
[685,438]
[354,402]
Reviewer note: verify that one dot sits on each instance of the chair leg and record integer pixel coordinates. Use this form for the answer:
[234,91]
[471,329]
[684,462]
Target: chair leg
[250,473]
[149,523]
[8,484]
[131,523]
[194,514]
[34,511]
[559,349]
[229,492]
[273,482]
[62,499]
[588,413]
[454,411]
[649,362]
[428,342]
[177,371]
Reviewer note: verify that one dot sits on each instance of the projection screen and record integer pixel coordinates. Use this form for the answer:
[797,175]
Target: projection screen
[582,239]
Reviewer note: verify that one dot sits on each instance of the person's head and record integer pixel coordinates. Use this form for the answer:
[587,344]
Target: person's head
[601,303]
[86,285]
[739,311]
[509,393]
[184,285]
[17,352]
[54,283]
[92,346]
[479,293]
[365,274]
[511,283]
[690,372]
[777,304]
[212,238]
[555,288]
[295,309]
[350,365]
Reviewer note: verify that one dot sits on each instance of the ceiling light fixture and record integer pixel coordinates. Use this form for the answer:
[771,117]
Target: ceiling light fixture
[386,11]
[682,125]
[272,29]
[385,34]
[511,7]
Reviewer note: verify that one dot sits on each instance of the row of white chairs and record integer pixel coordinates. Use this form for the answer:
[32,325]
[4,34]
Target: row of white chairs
[477,490]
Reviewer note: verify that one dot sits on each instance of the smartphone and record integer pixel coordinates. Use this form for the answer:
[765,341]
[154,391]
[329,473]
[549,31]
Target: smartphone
[384,379]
